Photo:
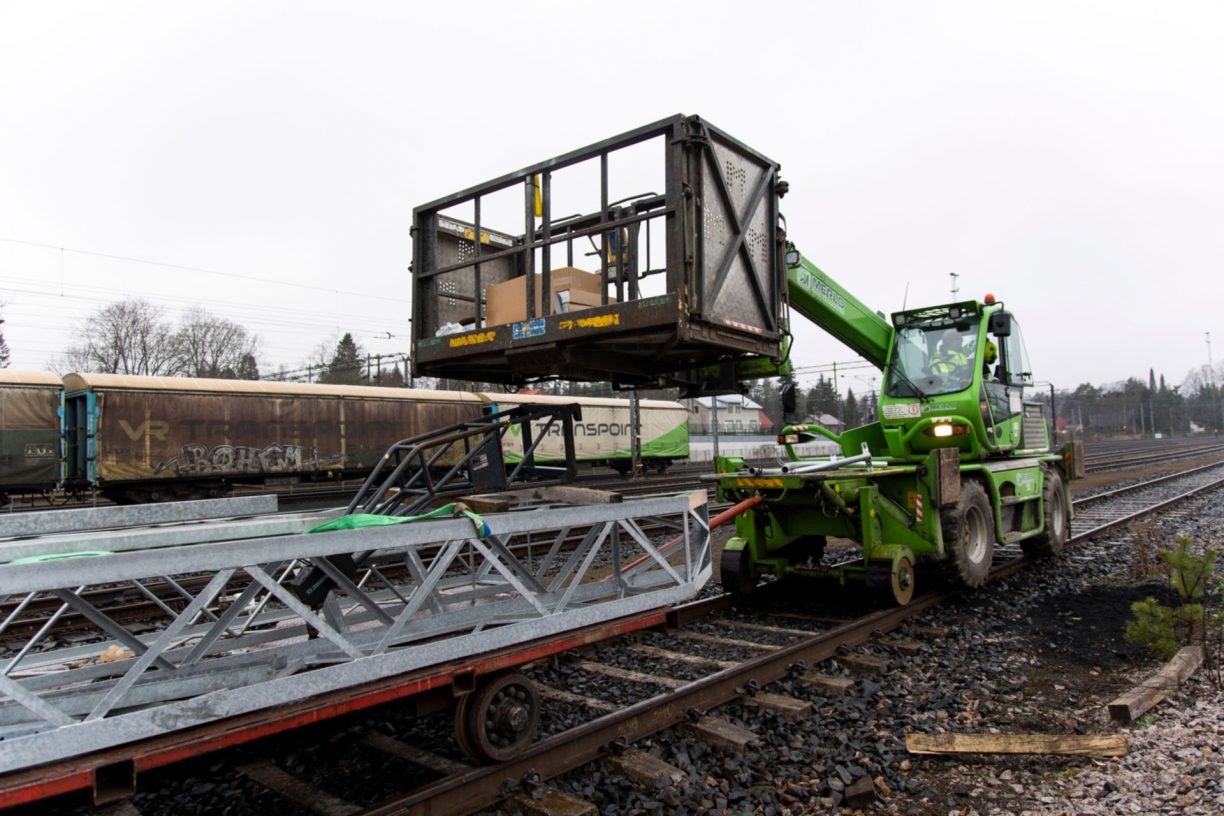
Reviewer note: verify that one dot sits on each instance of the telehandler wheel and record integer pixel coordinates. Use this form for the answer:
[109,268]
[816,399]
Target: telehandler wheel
[968,534]
[1053,539]
[735,572]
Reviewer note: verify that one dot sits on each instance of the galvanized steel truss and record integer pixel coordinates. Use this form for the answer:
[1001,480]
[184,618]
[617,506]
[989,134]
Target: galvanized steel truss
[236,639]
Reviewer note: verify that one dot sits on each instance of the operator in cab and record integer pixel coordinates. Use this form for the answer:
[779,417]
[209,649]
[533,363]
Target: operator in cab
[952,359]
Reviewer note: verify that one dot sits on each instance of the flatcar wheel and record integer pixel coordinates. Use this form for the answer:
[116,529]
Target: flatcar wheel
[735,572]
[462,715]
[500,719]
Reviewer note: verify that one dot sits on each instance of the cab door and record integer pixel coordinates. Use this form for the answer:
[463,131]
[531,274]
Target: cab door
[1003,382]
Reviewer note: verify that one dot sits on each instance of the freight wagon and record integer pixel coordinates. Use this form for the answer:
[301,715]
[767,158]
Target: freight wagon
[157,438]
[30,444]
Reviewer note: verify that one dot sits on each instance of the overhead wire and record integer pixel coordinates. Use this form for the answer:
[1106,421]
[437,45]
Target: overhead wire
[200,269]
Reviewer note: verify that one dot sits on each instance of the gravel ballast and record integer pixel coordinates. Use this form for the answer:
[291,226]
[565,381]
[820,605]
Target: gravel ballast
[1040,652]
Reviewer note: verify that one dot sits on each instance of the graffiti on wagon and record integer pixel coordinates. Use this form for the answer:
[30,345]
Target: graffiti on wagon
[196,459]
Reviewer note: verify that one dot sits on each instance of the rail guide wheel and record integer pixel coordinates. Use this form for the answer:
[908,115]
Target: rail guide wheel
[894,578]
[499,719]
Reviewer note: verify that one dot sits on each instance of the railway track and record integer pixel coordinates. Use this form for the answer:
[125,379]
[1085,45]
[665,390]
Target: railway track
[132,602]
[710,655]
[1099,458]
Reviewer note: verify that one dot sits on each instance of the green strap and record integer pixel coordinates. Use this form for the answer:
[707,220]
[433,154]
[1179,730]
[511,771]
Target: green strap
[38,559]
[357,521]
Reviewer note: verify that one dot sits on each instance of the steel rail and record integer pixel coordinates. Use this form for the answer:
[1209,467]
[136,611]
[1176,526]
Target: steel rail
[482,787]
[1147,511]
[1110,494]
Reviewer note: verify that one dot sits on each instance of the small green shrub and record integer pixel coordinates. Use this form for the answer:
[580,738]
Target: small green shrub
[1198,619]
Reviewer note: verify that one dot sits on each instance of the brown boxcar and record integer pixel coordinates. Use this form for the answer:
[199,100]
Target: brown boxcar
[30,447]
[181,437]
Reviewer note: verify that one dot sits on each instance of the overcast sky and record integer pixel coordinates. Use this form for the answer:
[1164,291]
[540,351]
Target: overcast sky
[1066,156]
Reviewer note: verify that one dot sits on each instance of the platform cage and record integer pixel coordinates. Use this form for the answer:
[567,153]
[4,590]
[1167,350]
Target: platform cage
[674,228]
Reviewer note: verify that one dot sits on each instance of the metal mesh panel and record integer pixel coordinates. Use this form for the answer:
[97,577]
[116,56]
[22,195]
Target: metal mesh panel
[1034,434]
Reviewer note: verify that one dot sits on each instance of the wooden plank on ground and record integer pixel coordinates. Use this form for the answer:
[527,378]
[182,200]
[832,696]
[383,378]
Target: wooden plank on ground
[1077,744]
[486,504]
[1131,705]
[573,495]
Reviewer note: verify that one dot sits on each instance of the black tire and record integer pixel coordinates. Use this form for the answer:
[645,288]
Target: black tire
[1056,514]
[735,573]
[969,536]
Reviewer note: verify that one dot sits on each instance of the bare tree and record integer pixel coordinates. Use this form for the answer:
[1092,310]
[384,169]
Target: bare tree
[126,337]
[210,346]
[4,351]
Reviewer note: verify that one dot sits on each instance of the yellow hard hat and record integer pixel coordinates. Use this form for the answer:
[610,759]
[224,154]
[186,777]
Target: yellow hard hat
[992,353]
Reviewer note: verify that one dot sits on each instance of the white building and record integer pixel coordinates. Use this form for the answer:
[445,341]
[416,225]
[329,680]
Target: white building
[736,415]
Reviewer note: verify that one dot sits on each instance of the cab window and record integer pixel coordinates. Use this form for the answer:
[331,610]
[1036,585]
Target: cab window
[1015,363]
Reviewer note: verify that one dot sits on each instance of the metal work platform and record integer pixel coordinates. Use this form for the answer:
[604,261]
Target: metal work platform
[683,278]
[233,638]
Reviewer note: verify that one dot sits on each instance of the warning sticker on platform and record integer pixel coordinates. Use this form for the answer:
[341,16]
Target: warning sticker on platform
[528,328]
[901,410]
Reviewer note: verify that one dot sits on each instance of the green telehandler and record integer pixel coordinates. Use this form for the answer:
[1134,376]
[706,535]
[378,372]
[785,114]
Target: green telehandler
[956,463]
[693,280]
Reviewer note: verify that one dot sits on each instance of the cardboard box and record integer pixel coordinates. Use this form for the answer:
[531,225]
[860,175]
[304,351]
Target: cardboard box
[507,302]
[568,277]
[575,300]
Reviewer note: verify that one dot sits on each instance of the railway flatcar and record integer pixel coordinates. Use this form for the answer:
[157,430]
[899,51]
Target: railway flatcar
[139,439]
[30,444]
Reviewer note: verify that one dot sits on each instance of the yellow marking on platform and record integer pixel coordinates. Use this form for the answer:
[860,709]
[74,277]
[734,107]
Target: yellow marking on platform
[473,339]
[758,482]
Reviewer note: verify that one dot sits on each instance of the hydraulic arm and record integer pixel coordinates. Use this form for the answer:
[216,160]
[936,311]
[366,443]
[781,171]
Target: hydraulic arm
[826,303]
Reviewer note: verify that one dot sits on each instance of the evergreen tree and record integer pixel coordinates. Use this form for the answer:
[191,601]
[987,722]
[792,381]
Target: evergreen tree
[247,368]
[346,366]
[822,399]
[850,411]
[394,378]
